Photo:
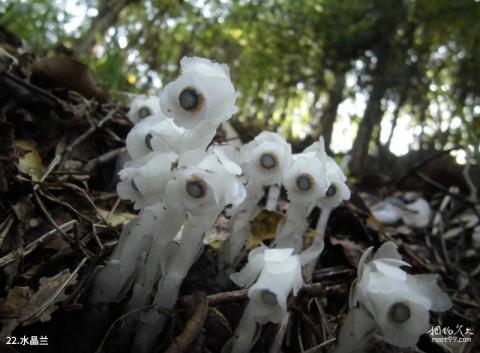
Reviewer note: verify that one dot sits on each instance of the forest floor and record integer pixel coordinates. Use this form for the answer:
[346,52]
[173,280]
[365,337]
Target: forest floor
[62,143]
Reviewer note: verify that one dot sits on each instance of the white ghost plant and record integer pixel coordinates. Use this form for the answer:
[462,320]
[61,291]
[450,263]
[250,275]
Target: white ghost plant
[143,181]
[202,94]
[305,183]
[271,275]
[142,107]
[203,184]
[263,161]
[398,303]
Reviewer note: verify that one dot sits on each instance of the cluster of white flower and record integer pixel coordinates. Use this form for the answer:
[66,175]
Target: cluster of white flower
[311,179]
[181,183]
[387,299]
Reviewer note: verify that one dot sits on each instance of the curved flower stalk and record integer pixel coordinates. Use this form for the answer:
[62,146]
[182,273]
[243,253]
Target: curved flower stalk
[263,162]
[142,107]
[200,191]
[274,273]
[336,192]
[203,93]
[398,303]
[305,183]
[143,181]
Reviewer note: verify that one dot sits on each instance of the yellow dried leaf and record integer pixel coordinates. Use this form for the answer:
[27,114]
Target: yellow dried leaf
[264,227]
[31,162]
[116,218]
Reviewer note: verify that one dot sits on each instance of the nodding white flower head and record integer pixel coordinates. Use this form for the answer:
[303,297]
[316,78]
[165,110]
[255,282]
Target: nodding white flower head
[153,133]
[337,189]
[277,273]
[416,214]
[143,181]
[265,158]
[398,302]
[304,178]
[205,182]
[202,93]
[142,107]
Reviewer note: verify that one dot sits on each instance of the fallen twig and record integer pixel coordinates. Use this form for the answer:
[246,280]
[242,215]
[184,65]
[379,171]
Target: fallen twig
[194,325]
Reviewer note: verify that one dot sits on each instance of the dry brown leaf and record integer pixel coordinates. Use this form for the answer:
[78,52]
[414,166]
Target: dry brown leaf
[23,306]
[69,73]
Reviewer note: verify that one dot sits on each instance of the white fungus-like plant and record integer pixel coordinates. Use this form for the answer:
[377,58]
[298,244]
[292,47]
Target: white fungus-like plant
[142,107]
[181,183]
[263,161]
[271,275]
[305,183]
[199,191]
[202,94]
[143,181]
[388,299]
[179,187]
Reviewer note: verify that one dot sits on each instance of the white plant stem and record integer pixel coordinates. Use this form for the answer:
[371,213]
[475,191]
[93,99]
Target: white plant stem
[272,197]
[231,250]
[244,337]
[312,252]
[177,262]
[290,233]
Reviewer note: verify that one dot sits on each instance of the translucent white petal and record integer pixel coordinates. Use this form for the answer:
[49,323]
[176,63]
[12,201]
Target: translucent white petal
[266,144]
[387,250]
[420,215]
[250,271]
[142,107]
[304,178]
[204,66]
[426,285]
[385,213]
[144,181]
[214,98]
[389,270]
[363,259]
[138,144]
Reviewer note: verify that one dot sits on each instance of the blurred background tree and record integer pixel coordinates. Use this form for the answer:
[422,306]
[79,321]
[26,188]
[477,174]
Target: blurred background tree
[374,77]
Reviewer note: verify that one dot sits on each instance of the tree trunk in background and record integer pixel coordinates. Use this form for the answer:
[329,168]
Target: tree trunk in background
[373,114]
[330,114]
[107,17]
[396,115]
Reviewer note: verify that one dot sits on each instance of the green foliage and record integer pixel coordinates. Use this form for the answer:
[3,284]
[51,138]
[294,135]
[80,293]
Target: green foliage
[285,55]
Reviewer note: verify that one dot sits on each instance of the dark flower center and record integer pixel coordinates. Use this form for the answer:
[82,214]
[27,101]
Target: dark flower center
[399,312]
[134,186]
[196,188]
[332,190]
[268,297]
[143,112]
[304,182]
[148,141]
[268,161]
[189,99]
